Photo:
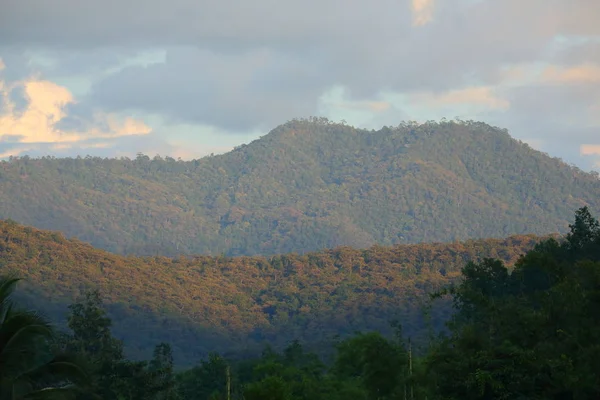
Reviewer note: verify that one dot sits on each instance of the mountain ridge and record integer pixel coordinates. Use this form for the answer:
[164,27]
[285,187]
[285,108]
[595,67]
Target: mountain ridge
[236,304]
[307,185]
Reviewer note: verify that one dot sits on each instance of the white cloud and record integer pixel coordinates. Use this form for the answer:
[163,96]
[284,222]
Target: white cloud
[37,120]
[422,11]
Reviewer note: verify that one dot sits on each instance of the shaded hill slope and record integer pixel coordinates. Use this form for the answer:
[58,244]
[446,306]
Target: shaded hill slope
[232,304]
[306,185]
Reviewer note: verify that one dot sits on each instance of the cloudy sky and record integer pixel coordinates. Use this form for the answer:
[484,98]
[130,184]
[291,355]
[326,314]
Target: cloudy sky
[187,78]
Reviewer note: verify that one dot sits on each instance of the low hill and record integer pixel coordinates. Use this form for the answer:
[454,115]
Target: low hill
[234,304]
[305,186]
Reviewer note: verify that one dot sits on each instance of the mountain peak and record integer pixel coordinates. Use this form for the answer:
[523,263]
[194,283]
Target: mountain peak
[308,184]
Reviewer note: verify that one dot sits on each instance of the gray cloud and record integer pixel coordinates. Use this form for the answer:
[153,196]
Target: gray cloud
[10,139]
[234,91]
[78,118]
[556,116]
[17,63]
[18,97]
[553,103]
[588,51]
[369,44]
[224,24]
[86,61]
[8,144]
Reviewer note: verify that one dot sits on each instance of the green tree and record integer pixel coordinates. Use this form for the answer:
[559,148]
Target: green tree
[529,334]
[269,388]
[205,380]
[92,339]
[115,377]
[379,365]
[161,373]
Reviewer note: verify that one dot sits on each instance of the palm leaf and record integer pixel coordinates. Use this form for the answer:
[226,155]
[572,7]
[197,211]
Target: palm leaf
[62,393]
[24,338]
[7,287]
[18,332]
[61,368]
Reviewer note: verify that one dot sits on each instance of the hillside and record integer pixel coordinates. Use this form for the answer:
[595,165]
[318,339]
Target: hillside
[305,186]
[232,304]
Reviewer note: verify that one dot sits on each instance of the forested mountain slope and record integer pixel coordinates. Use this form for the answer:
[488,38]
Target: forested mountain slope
[306,185]
[232,304]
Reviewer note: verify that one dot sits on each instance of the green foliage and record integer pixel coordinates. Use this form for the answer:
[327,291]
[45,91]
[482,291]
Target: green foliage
[365,366]
[307,185]
[91,330]
[529,334]
[162,373]
[270,388]
[376,363]
[205,380]
[115,377]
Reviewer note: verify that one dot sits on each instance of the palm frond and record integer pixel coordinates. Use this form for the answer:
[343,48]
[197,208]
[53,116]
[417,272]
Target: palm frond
[20,331]
[7,287]
[62,393]
[61,369]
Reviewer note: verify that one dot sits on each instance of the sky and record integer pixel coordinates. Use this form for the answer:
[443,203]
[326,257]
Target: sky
[186,78]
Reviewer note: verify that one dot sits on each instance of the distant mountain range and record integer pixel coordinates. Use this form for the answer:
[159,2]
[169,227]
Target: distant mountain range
[234,305]
[307,185]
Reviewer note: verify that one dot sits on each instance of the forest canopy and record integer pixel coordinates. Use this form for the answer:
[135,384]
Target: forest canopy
[203,303]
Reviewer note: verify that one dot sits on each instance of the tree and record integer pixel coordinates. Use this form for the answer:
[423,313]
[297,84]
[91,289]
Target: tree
[270,388]
[29,369]
[116,377]
[161,373]
[378,364]
[205,380]
[92,339]
[529,334]
[91,329]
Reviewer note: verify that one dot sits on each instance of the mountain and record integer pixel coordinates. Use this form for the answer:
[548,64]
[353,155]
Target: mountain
[307,185]
[235,304]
